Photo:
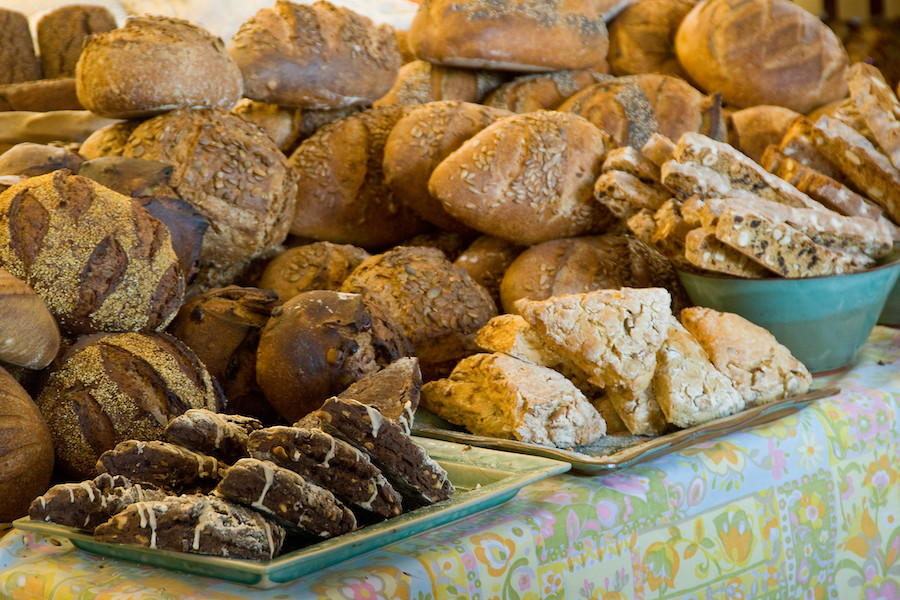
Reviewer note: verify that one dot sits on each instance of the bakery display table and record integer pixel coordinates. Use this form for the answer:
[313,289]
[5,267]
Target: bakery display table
[807,506]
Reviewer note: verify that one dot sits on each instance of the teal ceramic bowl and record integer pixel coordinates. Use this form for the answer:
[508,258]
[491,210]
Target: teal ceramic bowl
[823,321]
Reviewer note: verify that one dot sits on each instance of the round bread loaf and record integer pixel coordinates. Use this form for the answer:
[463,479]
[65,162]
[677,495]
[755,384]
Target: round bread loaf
[319,56]
[97,258]
[436,305]
[342,196]
[62,32]
[642,37]
[26,450]
[762,52]
[751,130]
[586,264]
[526,178]
[511,35]
[420,81]
[233,174]
[420,141]
[222,327]
[154,64]
[634,107]
[18,60]
[119,387]
[29,335]
[538,91]
[108,140]
[318,343]
[315,266]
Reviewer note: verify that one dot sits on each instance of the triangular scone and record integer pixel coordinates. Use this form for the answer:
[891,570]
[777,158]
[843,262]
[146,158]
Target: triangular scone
[638,409]
[688,388]
[613,335]
[762,369]
[496,395]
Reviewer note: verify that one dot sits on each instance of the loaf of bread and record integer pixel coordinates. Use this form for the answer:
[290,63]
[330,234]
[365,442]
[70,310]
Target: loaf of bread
[318,56]
[97,258]
[26,450]
[486,260]
[40,95]
[642,37]
[62,32]
[523,35]
[420,81]
[29,160]
[18,60]
[753,129]
[527,178]
[762,52]
[314,266]
[282,124]
[537,91]
[119,387]
[154,64]
[29,335]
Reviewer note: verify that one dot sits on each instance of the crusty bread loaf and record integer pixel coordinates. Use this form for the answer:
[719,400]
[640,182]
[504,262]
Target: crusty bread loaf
[26,450]
[318,56]
[154,64]
[280,122]
[520,35]
[29,335]
[314,266]
[500,396]
[420,81]
[486,260]
[61,34]
[632,108]
[342,195]
[97,258]
[40,95]
[108,140]
[762,52]
[538,91]
[753,129]
[642,37]
[419,141]
[527,178]
[232,174]
[18,60]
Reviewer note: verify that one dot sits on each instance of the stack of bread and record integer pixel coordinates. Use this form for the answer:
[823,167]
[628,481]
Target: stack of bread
[262,225]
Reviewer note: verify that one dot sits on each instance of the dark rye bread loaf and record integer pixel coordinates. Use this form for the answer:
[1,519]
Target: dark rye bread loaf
[317,56]
[511,35]
[62,32]
[232,174]
[318,343]
[435,304]
[18,60]
[342,196]
[154,64]
[97,258]
[117,387]
[331,463]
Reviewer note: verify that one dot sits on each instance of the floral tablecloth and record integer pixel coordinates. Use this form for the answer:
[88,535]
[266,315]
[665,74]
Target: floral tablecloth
[805,507]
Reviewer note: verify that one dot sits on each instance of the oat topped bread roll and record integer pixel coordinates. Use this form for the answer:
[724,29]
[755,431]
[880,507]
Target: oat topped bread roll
[512,35]
[762,52]
[153,64]
[232,174]
[527,178]
[318,56]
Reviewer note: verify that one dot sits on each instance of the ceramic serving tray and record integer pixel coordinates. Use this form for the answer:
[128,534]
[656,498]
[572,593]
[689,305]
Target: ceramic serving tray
[483,478]
[612,453]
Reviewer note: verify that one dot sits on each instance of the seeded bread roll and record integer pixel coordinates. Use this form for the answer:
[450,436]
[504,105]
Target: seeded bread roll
[320,56]
[315,266]
[61,34]
[526,178]
[539,91]
[642,37]
[18,61]
[26,450]
[97,258]
[29,335]
[420,141]
[632,108]
[318,343]
[420,81]
[585,264]
[231,174]
[342,196]
[154,64]
[120,387]
[435,304]
[520,35]
[751,130]
[762,52]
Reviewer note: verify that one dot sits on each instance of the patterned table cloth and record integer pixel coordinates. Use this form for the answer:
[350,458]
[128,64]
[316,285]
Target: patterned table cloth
[804,507]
